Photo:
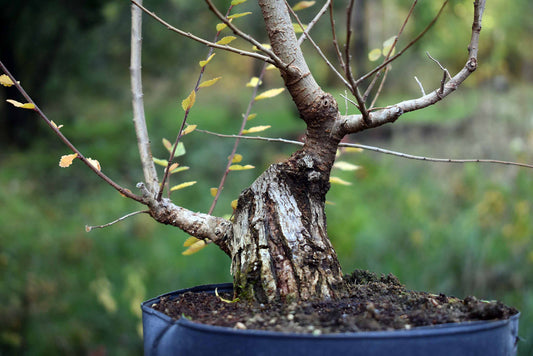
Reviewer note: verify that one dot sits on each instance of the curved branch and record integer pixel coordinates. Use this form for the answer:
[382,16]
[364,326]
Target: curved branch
[199,225]
[355,123]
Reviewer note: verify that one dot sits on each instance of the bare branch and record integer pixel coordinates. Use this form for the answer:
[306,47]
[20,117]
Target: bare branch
[371,85]
[123,191]
[377,149]
[88,228]
[237,141]
[311,24]
[416,39]
[355,123]
[420,85]
[139,119]
[199,225]
[334,38]
[277,62]
[203,41]
[315,46]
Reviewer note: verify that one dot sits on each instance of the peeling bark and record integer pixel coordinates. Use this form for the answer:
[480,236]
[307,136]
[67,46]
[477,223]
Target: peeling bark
[280,246]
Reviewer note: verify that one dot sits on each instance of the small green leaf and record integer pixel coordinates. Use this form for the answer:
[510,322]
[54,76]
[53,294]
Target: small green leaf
[182,185]
[303,5]
[188,102]
[374,54]
[269,93]
[337,180]
[220,26]
[160,162]
[237,2]
[238,167]
[179,169]
[204,63]
[256,129]
[242,14]
[225,40]
[298,28]
[208,83]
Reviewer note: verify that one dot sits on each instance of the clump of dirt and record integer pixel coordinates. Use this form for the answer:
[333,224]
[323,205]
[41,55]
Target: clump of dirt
[370,303]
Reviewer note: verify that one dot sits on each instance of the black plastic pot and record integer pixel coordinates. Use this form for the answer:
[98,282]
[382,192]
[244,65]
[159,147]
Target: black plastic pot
[164,336]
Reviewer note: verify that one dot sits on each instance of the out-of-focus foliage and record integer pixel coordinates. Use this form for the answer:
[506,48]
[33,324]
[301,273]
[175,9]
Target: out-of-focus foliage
[445,228]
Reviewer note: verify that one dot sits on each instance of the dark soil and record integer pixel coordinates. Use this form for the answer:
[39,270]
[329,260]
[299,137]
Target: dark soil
[371,303]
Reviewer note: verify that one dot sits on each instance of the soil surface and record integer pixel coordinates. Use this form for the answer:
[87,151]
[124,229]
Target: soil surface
[371,303]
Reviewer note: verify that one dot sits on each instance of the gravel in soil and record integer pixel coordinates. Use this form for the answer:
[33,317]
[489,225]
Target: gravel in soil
[370,303]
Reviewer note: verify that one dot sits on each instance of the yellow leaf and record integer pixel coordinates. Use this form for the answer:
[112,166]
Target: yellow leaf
[265,46]
[21,105]
[195,247]
[208,83]
[225,300]
[6,81]
[269,93]
[94,163]
[203,63]
[161,162]
[182,185]
[172,167]
[188,129]
[188,102]
[353,149]
[179,169]
[374,55]
[237,2]
[256,129]
[238,167]
[337,180]
[191,240]
[251,117]
[303,5]
[270,67]
[254,82]
[237,158]
[213,192]
[235,16]
[167,144]
[54,125]
[221,26]
[388,44]
[330,202]
[66,160]
[225,40]
[234,204]
[297,28]
[345,166]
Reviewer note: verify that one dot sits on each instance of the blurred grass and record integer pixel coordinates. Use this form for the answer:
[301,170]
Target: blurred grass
[458,229]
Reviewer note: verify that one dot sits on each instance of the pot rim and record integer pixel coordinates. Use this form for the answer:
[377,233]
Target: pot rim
[420,331]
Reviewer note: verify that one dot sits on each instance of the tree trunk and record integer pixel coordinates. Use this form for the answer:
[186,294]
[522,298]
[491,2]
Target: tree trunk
[280,248]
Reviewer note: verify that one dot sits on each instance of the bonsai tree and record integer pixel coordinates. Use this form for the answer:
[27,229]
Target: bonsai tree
[277,237]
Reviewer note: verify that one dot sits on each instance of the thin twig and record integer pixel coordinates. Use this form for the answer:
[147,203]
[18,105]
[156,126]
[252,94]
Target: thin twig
[396,39]
[334,38]
[311,24]
[278,62]
[376,149]
[123,191]
[237,141]
[88,228]
[440,65]
[185,116]
[315,46]
[420,85]
[203,41]
[416,39]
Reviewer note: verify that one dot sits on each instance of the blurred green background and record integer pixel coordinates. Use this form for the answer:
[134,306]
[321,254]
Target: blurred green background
[452,228]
